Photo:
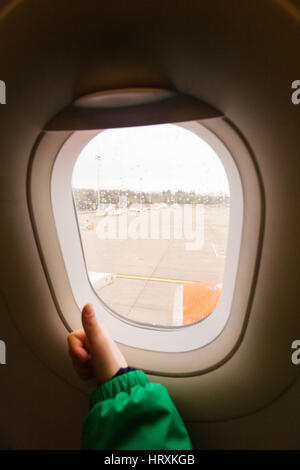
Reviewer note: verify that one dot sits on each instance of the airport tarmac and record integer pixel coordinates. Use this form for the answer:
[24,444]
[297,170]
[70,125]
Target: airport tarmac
[147,272]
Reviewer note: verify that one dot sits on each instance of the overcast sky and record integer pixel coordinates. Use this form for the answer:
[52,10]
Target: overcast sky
[150,158]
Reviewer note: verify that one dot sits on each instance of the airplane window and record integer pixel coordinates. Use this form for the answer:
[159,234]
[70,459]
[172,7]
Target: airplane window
[152,207]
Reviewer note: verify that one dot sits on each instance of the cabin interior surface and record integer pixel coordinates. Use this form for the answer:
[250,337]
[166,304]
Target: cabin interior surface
[230,65]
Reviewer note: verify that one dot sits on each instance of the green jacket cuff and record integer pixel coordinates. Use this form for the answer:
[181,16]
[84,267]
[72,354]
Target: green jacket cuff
[121,383]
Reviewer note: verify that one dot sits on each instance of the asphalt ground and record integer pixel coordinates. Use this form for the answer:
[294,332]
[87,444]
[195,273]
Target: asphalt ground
[147,271]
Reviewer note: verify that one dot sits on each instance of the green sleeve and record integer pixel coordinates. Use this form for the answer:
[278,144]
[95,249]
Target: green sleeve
[130,413]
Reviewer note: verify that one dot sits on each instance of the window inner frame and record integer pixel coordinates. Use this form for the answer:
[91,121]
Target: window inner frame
[125,331]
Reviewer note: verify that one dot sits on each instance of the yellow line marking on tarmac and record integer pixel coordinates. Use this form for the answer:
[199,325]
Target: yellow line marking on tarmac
[161,279]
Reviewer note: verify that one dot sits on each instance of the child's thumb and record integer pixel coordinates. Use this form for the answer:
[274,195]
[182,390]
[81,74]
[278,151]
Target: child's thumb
[90,325]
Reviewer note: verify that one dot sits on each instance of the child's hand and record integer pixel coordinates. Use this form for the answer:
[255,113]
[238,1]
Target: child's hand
[93,351]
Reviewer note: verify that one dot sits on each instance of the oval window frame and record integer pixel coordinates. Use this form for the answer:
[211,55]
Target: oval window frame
[137,335]
[156,363]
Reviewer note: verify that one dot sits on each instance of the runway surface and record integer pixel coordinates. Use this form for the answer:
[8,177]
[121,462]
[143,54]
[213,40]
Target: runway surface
[154,278]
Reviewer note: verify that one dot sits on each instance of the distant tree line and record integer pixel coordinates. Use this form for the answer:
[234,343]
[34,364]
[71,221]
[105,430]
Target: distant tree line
[90,199]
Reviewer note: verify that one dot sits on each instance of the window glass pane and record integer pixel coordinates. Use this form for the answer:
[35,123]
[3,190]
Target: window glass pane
[152,206]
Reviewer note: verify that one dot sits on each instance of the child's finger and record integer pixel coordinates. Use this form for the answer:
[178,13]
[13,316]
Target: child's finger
[77,348]
[76,338]
[79,354]
[91,327]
